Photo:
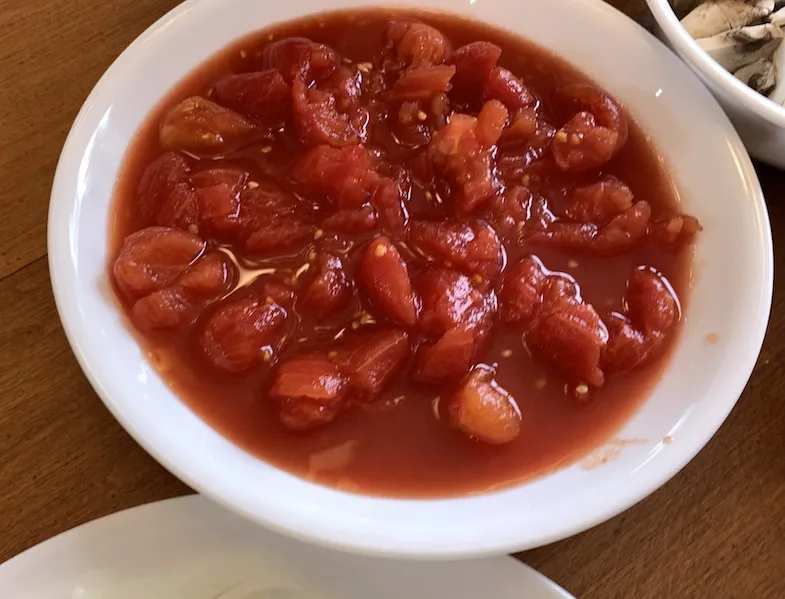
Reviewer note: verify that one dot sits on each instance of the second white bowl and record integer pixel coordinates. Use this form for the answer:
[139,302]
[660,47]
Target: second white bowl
[759,121]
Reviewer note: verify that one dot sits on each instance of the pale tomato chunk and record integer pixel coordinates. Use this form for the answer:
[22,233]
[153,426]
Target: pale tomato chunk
[202,126]
[484,410]
[676,232]
[596,132]
[582,146]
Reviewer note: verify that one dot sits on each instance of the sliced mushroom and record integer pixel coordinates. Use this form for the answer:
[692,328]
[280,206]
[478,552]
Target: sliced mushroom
[760,75]
[718,16]
[778,18]
[683,7]
[735,49]
[778,93]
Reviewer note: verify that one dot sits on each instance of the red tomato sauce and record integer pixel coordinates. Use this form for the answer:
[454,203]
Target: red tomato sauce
[429,259]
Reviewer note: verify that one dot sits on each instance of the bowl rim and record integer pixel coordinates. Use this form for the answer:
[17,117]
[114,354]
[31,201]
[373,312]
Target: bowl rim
[198,478]
[686,45]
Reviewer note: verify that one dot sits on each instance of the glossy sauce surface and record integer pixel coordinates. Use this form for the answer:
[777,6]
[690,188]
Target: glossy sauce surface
[400,443]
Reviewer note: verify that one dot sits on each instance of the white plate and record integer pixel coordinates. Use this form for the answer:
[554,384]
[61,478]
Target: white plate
[189,548]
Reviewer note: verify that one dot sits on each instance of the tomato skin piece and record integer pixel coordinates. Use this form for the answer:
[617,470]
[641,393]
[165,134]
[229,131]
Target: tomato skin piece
[370,359]
[447,359]
[168,308]
[310,391]
[166,194]
[503,86]
[652,310]
[299,57]
[471,246]
[153,259]
[521,292]
[462,154]
[570,335]
[473,64]
[318,120]
[347,176]
[651,303]
[599,202]
[242,334]
[423,83]
[595,133]
[263,96]
[330,290]
[416,44]
[387,282]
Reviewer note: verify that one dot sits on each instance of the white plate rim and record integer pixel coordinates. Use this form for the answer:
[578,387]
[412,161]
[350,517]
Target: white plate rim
[196,516]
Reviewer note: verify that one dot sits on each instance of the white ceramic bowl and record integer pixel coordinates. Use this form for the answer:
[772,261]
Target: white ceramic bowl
[731,296]
[759,121]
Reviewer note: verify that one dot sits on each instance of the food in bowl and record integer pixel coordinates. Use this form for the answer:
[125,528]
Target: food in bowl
[743,36]
[427,260]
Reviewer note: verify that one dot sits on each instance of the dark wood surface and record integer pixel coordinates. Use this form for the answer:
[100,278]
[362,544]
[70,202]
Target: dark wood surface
[717,530]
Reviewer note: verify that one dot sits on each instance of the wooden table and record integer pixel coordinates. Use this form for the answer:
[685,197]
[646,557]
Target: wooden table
[716,530]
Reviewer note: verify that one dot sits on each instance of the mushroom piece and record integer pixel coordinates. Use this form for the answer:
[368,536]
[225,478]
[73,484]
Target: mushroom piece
[683,7]
[760,75]
[778,18]
[778,93]
[738,48]
[718,16]
[742,36]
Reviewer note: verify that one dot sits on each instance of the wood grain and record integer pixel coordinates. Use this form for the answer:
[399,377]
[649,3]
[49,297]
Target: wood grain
[52,53]
[716,530]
